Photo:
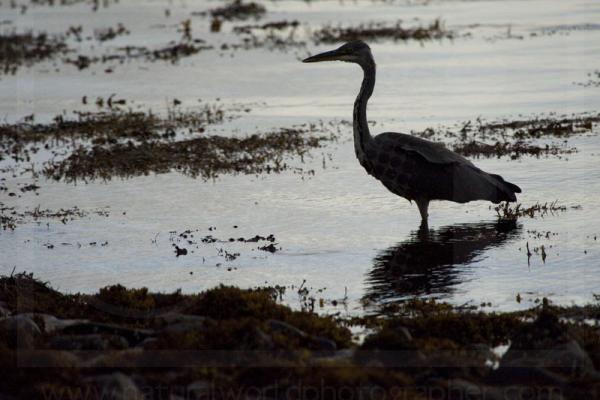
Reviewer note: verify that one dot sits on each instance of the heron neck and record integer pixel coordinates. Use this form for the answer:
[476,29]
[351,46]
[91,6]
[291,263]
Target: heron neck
[361,128]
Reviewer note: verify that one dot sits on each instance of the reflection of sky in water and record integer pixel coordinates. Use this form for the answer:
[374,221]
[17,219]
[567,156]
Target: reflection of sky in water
[334,228]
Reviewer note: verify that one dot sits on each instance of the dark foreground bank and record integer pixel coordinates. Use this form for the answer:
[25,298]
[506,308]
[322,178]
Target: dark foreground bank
[239,344]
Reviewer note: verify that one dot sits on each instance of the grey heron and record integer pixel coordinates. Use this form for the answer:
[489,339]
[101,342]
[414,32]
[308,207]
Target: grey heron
[408,166]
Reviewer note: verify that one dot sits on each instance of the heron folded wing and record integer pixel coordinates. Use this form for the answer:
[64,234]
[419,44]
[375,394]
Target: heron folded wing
[433,152]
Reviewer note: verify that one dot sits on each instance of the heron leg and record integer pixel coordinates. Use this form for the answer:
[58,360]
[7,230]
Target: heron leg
[423,205]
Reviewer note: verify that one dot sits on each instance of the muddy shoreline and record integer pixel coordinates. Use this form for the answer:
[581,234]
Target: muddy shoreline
[135,343]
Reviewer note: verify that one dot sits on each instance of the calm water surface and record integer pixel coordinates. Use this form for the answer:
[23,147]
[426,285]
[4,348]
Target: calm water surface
[339,230]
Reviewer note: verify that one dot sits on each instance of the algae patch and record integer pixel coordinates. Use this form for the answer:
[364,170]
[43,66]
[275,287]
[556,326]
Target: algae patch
[537,136]
[593,79]
[512,212]
[172,52]
[206,156]
[278,35]
[127,143]
[10,217]
[237,10]
[378,31]
[22,139]
[18,49]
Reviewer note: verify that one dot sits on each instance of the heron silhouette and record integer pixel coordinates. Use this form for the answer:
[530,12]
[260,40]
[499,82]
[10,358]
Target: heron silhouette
[411,167]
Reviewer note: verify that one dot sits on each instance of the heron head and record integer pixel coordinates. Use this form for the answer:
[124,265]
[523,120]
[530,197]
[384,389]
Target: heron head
[356,51]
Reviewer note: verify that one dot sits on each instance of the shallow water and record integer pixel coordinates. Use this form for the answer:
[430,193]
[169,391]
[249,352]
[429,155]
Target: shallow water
[339,230]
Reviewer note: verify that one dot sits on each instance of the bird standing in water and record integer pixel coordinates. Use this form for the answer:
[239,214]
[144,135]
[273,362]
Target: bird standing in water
[408,166]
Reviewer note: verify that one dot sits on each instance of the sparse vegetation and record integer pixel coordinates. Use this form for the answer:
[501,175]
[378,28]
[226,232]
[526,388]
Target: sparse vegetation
[512,212]
[126,143]
[378,31]
[516,138]
[18,49]
[10,217]
[206,157]
[236,10]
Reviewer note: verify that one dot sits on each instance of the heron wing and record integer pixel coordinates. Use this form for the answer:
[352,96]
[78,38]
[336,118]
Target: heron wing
[436,172]
[433,152]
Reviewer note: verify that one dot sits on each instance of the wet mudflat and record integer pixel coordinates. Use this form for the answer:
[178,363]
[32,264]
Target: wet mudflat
[128,132]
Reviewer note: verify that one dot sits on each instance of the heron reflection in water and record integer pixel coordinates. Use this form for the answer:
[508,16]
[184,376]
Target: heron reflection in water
[427,263]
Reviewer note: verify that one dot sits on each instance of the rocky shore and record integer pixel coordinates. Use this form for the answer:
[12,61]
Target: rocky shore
[230,343]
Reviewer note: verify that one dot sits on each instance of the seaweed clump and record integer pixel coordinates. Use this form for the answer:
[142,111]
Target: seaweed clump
[20,139]
[110,33]
[172,51]
[227,342]
[17,49]
[508,212]
[10,217]
[378,31]
[236,10]
[593,79]
[126,143]
[515,138]
[272,35]
[206,157]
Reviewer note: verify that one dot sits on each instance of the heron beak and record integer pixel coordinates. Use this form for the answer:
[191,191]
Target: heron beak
[332,55]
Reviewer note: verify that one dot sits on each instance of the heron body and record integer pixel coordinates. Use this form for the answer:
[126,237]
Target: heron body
[411,167]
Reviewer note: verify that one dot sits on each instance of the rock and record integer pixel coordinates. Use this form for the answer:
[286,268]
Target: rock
[88,342]
[47,359]
[567,359]
[173,317]
[132,335]
[526,375]
[463,389]
[324,343]
[20,330]
[405,334]
[130,358]
[116,386]
[51,324]
[140,358]
[340,356]
[286,329]
[147,343]
[4,310]
[259,340]
[482,350]
[20,323]
[182,327]
[319,343]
